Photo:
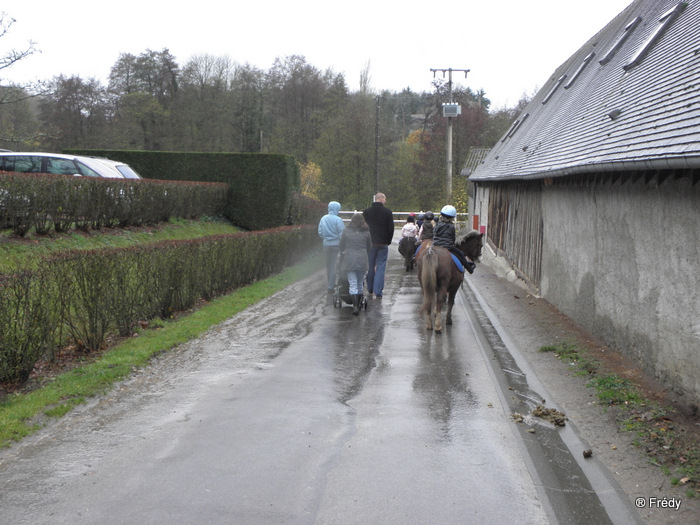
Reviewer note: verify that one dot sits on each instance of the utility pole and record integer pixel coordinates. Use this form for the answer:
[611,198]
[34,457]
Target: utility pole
[376,149]
[449,110]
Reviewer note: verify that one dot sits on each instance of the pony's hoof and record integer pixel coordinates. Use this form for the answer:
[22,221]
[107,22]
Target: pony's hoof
[448,321]
[438,331]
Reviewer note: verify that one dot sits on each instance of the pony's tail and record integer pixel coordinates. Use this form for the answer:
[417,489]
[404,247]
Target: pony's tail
[428,279]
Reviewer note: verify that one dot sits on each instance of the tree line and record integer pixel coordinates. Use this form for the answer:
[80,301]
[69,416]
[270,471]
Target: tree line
[348,143]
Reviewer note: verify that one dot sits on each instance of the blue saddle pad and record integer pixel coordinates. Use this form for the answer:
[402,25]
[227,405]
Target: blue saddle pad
[459,264]
[454,258]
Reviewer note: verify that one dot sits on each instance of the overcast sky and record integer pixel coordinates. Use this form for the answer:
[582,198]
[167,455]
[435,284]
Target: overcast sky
[510,46]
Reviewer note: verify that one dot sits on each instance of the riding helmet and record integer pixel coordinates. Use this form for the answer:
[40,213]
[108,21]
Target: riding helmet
[448,211]
[429,216]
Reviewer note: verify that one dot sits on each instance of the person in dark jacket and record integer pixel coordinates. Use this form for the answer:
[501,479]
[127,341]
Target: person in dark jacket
[444,235]
[380,220]
[355,245]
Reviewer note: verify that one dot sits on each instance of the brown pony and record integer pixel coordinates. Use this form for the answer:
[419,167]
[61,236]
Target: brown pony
[440,278]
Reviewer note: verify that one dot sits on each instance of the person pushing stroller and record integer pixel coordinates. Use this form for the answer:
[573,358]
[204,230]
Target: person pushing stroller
[355,244]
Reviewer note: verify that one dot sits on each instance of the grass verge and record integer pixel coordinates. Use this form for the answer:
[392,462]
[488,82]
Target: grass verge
[665,443]
[21,414]
[22,253]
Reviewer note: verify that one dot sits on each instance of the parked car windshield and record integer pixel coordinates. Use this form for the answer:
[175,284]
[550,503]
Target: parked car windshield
[126,170]
[86,171]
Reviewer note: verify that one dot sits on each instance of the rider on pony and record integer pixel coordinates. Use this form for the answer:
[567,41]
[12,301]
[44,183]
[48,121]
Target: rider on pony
[426,229]
[444,235]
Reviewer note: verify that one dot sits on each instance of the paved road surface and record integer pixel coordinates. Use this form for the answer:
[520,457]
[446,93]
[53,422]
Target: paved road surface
[298,412]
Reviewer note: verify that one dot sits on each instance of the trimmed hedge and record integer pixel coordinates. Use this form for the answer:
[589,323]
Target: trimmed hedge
[305,210]
[44,201]
[261,185]
[83,296]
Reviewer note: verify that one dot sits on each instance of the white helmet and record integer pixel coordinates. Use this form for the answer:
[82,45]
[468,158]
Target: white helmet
[448,211]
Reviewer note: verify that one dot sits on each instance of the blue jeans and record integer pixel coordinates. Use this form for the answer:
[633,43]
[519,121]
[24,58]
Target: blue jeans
[377,268]
[331,253]
[355,278]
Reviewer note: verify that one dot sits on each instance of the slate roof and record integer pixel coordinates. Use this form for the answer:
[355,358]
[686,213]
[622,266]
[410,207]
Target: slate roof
[475,158]
[613,116]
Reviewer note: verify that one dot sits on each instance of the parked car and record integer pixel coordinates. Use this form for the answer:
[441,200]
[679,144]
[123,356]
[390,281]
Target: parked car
[124,170]
[60,164]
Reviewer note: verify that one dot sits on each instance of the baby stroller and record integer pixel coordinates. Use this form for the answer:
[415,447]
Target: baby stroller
[341,291]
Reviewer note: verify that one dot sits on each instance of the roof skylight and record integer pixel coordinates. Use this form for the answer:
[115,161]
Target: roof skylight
[579,70]
[664,23]
[556,86]
[515,127]
[620,41]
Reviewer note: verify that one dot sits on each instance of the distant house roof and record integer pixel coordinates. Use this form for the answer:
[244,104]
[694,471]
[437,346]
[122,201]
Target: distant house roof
[475,158]
[629,99]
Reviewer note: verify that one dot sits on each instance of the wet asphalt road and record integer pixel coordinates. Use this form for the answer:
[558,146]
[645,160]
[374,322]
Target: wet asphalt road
[298,412]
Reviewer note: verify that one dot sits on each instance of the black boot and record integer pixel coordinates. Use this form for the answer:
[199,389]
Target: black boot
[355,304]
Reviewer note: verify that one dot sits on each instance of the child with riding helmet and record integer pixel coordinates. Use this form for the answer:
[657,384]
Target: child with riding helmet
[444,235]
[426,229]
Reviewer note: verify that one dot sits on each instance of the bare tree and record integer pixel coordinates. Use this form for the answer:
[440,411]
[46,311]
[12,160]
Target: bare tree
[203,112]
[366,78]
[78,108]
[18,125]
[14,55]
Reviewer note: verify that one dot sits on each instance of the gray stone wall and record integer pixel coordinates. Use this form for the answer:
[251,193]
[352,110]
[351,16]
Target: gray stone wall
[623,260]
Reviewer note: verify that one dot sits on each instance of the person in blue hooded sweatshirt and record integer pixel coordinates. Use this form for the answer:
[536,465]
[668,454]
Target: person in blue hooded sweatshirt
[330,228]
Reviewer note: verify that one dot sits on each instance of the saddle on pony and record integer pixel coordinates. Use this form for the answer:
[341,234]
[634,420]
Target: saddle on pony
[455,258]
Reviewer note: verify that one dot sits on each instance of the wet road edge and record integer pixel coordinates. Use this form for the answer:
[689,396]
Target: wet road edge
[573,489]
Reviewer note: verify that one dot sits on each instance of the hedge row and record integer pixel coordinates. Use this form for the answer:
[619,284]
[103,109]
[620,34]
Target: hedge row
[61,202]
[305,210]
[83,296]
[261,184]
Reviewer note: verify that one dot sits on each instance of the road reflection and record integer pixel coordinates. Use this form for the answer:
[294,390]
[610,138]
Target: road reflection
[356,344]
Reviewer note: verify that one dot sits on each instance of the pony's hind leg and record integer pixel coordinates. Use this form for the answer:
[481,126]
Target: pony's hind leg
[429,319]
[439,303]
[438,321]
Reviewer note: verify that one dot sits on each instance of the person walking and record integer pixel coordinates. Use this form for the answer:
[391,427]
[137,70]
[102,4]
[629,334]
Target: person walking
[380,220]
[330,229]
[355,245]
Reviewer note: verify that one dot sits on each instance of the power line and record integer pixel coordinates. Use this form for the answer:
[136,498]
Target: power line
[449,71]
